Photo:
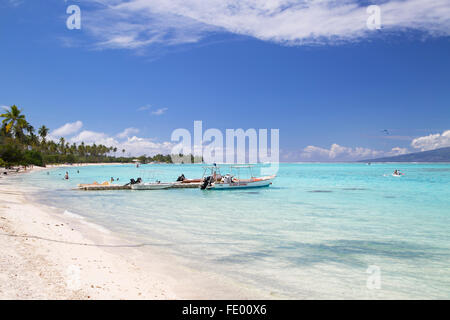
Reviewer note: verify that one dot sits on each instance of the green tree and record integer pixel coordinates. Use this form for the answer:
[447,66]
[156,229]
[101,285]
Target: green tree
[32,157]
[62,145]
[11,154]
[14,122]
[31,139]
[143,159]
[43,132]
[82,149]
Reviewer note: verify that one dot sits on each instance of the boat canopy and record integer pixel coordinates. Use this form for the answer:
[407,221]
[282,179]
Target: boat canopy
[216,169]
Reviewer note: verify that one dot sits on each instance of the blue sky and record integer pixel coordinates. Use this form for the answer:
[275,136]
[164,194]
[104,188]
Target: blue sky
[315,72]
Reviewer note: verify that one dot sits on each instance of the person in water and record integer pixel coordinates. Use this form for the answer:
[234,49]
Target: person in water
[112,179]
[66,176]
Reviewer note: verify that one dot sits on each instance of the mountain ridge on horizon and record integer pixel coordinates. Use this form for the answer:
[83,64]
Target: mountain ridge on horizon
[435,155]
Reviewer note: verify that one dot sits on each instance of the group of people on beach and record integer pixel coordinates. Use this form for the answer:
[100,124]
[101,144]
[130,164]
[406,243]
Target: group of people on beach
[15,169]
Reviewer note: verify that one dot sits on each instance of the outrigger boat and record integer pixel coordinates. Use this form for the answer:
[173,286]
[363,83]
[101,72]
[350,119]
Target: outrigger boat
[215,180]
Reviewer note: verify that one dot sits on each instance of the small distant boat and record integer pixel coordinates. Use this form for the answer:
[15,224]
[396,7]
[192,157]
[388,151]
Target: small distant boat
[397,173]
[151,186]
[215,181]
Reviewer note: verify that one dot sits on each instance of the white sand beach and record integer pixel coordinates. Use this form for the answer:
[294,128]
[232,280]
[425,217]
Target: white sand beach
[46,255]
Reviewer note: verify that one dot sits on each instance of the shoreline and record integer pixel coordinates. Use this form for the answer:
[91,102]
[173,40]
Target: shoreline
[51,255]
[22,169]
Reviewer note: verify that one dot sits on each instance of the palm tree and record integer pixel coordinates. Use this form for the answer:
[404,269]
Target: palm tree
[73,148]
[43,132]
[3,132]
[87,150]
[14,121]
[82,149]
[32,139]
[62,145]
[94,150]
[53,148]
[30,129]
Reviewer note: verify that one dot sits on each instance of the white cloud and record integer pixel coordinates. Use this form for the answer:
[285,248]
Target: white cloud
[160,111]
[135,146]
[139,146]
[127,139]
[397,151]
[432,141]
[90,137]
[143,108]
[338,152]
[341,153]
[128,132]
[67,129]
[15,3]
[135,24]
[157,112]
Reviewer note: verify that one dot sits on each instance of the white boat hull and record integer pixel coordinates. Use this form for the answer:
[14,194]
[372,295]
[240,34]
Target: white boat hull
[255,183]
[151,186]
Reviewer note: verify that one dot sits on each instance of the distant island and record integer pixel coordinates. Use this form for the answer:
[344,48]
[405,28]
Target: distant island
[436,155]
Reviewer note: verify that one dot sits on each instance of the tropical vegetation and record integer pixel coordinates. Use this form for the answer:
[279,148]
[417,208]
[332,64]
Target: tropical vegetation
[20,145]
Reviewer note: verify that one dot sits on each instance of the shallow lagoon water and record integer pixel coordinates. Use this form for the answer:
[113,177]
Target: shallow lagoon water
[313,234]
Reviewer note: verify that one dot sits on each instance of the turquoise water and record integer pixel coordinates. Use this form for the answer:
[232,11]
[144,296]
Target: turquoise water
[312,234]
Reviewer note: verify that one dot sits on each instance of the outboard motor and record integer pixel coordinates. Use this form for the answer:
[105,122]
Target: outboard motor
[206,183]
[132,181]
